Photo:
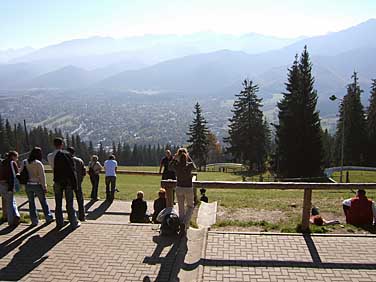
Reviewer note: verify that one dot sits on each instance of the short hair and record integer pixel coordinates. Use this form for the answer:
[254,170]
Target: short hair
[111,157]
[58,141]
[71,150]
[361,192]
[140,194]
[162,192]
[11,154]
[35,154]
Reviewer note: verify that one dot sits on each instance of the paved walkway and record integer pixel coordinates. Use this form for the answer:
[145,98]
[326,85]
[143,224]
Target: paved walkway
[106,248]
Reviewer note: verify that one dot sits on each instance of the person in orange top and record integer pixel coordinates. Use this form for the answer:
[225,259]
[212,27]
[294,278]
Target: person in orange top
[359,210]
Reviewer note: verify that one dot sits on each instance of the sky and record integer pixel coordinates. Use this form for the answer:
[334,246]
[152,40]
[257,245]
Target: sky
[38,23]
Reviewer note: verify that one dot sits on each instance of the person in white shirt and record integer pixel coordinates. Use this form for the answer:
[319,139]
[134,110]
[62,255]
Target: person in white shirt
[110,167]
[36,186]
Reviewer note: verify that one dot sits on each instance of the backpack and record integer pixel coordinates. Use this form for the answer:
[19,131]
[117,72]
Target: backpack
[170,225]
[23,178]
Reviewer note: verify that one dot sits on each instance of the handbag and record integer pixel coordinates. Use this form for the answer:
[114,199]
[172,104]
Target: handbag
[24,175]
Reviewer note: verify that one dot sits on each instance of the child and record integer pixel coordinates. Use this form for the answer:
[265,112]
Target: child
[139,208]
[317,219]
[159,204]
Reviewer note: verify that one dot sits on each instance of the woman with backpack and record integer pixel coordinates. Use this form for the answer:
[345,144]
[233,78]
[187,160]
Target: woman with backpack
[183,166]
[36,185]
[8,174]
[94,169]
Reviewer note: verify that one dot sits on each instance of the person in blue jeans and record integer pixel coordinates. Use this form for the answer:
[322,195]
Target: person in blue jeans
[8,174]
[36,186]
[65,182]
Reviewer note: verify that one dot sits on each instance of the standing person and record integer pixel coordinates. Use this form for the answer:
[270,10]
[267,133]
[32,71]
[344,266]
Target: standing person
[167,173]
[65,181]
[36,186]
[81,173]
[8,173]
[183,166]
[110,167]
[95,169]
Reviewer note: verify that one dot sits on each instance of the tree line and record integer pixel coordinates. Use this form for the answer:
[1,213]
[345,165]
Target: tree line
[300,147]
[17,137]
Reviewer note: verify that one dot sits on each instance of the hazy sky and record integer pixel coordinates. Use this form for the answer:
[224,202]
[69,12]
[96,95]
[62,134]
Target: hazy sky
[38,23]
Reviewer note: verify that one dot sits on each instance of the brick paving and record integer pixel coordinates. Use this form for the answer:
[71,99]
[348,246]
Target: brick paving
[93,252]
[249,257]
[107,248]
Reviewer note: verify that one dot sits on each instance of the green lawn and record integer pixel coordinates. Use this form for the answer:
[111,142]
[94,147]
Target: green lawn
[357,176]
[288,202]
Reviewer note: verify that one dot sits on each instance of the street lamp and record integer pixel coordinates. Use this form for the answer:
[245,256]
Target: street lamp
[333,98]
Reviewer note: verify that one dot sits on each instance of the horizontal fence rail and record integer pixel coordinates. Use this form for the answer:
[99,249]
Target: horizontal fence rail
[307,187]
[275,185]
[132,172]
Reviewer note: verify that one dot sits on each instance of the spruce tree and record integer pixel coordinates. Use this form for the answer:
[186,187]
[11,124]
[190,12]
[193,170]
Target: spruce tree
[371,126]
[198,137]
[247,130]
[352,114]
[299,149]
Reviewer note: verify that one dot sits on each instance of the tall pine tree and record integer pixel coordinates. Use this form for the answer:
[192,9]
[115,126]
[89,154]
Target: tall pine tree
[198,137]
[248,133]
[355,135]
[298,135]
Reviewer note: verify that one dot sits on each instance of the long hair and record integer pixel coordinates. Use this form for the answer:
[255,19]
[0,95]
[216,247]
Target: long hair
[35,154]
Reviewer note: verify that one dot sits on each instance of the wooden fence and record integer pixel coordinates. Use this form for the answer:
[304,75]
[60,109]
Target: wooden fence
[169,185]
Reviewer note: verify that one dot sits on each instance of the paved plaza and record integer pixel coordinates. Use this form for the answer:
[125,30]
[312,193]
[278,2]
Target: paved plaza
[107,248]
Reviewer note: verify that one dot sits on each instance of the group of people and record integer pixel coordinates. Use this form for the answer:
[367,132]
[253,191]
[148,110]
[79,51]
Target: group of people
[178,167]
[110,168]
[68,174]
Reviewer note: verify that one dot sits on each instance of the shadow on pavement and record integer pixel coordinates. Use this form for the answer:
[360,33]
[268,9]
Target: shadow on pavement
[32,254]
[9,245]
[173,262]
[316,261]
[99,211]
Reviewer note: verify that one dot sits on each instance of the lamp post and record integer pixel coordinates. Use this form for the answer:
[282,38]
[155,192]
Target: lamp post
[333,98]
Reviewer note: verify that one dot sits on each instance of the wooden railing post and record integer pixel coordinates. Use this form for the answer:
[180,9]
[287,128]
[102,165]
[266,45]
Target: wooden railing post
[307,204]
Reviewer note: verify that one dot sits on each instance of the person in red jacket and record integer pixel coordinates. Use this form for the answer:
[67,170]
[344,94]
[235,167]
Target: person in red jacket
[359,210]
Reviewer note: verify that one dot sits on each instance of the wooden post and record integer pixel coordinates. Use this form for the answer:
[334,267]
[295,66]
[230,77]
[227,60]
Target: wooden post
[306,209]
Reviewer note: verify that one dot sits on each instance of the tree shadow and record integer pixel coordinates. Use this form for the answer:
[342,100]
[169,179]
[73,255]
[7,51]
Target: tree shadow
[173,262]
[32,254]
[99,211]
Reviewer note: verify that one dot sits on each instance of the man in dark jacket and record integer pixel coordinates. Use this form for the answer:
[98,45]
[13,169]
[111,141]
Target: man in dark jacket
[80,172]
[65,181]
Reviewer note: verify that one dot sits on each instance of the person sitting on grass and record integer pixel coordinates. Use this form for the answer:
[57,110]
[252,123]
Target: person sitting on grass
[359,210]
[318,220]
[159,204]
[139,208]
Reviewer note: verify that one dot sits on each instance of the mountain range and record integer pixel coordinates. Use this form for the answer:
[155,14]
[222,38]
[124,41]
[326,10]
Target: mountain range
[198,64]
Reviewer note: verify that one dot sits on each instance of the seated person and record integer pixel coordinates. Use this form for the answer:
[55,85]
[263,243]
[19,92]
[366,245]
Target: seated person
[139,208]
[317,219]
[159,204]
[359,210]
